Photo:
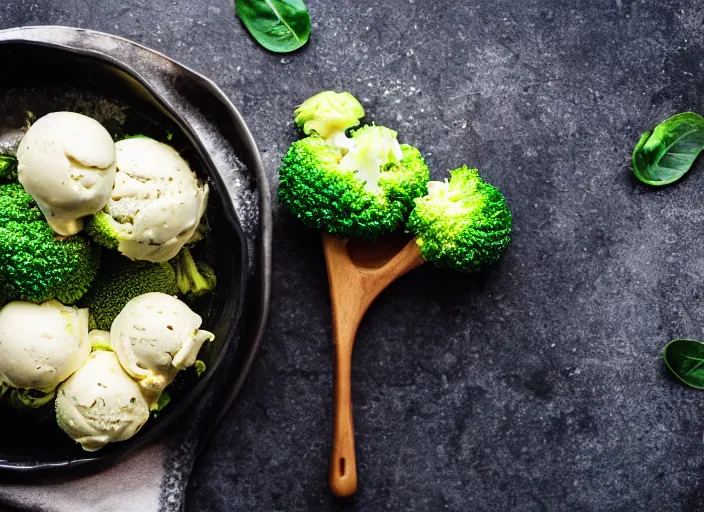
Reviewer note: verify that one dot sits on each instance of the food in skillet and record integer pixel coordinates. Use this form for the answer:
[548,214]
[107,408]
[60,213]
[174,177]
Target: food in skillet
[67,164]
[41,345]
[100,403]
[35,264]
[123,281]
[143,207]
[155,336]
[155,206]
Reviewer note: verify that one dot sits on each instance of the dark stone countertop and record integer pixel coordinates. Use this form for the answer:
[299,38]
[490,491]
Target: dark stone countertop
[537,387]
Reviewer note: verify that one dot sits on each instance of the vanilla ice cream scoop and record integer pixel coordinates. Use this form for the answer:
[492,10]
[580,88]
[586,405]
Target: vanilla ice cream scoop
[157,202]
[66,162]
[41,345]
[154,336]
[100,403]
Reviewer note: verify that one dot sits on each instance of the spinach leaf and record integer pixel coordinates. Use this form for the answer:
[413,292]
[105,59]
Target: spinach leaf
[665,154]
[278,25]
[685,358]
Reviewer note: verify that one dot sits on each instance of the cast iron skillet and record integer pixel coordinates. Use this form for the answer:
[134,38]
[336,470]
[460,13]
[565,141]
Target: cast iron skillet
[134,90]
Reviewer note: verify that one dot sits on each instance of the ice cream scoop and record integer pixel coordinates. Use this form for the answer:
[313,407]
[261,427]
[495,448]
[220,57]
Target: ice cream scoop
[154,336]
[66,162]
[100,403]
[157,202]
[41,345]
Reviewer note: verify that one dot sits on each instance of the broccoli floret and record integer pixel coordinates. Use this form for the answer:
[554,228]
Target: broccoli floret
[156,203]
[328,113]
[361,193]
[463,224]
[125,281]
[34,264]
[41,268]
[16,205]
[104,230]
[352,187]
[193,279]
[8,168]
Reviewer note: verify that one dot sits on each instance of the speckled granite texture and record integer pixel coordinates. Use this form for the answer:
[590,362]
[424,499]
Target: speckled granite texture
[537,387]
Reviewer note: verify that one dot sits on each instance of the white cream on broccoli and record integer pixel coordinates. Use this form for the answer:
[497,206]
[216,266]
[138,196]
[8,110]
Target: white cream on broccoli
[157,201]
[66,162]
[100,403]
[373,148]
[41,345]
[154,336]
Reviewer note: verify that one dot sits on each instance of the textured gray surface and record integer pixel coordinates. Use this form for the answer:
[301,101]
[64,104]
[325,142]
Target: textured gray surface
[538,387]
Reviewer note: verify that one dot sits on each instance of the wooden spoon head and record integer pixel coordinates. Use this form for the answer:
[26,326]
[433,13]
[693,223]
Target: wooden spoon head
[377,253]
[359,271]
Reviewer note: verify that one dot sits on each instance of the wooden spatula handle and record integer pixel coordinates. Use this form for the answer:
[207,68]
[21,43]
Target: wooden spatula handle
[343,464]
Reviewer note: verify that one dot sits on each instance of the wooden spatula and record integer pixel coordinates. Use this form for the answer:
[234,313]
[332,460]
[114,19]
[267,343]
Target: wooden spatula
[357,272]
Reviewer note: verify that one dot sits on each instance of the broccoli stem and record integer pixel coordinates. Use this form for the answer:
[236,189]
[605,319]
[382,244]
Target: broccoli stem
[193,279]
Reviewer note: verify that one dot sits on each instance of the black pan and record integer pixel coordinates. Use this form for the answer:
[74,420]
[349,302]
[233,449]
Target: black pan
[133,90]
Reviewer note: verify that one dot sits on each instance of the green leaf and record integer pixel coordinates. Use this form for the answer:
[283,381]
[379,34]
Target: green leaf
[685,358]
[280,26]
[665,154]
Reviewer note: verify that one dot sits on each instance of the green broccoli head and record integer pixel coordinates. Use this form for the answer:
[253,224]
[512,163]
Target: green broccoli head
[193,279]
[463,224]
[328,112]
[359,191]
[34,264]
[125,281]
[16,205]
[8,168]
